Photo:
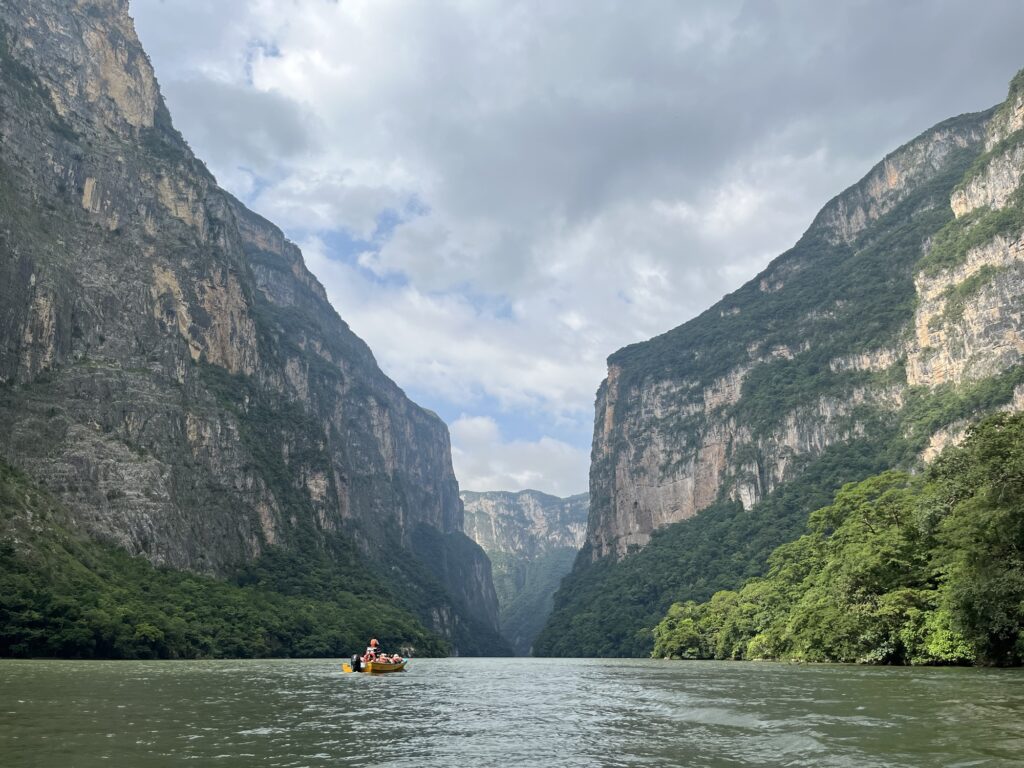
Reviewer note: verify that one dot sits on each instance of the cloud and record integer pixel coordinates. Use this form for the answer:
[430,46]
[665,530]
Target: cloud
[499,194]
[485,461]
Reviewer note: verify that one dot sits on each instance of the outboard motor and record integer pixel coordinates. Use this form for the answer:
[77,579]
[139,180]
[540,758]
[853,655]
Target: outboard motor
[357,663]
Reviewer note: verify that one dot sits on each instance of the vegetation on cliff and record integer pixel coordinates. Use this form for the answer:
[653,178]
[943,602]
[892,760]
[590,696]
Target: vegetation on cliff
[66,596]
[608,607]
[531,539]
[982,225]
[899,569]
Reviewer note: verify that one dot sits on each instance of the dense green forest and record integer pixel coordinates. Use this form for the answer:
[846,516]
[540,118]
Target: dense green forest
[899,569]
[607,607]
[526,592]
[66,596]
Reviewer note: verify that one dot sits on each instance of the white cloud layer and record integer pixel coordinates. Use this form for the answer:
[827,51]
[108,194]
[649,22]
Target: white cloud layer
[524,187]
[485,461]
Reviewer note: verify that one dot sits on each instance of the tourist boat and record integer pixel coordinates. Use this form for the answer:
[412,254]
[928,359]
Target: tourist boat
[373,667]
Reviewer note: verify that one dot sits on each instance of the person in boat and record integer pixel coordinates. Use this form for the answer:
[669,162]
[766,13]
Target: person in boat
[372,650]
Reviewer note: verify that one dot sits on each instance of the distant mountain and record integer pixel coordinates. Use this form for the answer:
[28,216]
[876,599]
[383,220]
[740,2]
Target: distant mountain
[532,539]
[174,377]
[895,319]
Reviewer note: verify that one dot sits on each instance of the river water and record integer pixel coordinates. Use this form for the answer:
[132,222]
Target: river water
[506,712]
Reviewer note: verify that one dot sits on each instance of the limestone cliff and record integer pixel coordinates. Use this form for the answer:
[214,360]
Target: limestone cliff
[532,539]
[681,422]
[169,368]
[970,285]
[894,320]
[527,523]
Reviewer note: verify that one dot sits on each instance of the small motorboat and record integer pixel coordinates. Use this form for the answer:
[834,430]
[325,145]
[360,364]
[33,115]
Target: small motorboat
[373,667]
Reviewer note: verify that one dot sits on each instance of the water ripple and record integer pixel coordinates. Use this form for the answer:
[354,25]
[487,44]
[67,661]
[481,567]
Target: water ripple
[501,712]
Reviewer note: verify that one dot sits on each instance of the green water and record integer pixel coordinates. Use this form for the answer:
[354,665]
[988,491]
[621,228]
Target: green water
[506,712]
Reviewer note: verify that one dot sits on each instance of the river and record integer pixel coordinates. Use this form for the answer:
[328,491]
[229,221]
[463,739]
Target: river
[471,713]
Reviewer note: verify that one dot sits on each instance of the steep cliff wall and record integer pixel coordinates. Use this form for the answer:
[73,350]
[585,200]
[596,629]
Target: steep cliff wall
[970,282]
[781,369]
[894,319]
[169,367]
[527,523]
[532,540]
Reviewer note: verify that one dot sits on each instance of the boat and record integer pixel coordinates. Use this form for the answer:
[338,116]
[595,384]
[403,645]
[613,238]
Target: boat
[380,666]
[373,667]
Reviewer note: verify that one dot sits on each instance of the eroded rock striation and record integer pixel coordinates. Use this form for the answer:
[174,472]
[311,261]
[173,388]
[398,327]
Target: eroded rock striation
[169,368]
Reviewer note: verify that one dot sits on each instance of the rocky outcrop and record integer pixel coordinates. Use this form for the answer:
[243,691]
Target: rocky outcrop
[1009,117]
[889,182]
[665,476]
[168,366]
[967,326]
[532,539]
[968,320]
[993,186]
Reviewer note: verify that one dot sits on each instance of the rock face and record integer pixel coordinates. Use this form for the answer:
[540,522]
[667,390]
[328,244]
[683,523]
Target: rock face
[970,292]
[532,539]
[169,368]
[525,524]
[681,423]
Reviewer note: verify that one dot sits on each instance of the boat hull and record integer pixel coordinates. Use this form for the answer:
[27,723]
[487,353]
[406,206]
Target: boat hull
[376,667]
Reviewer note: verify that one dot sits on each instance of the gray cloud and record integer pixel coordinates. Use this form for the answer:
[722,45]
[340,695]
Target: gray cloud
[572,177]
[240,126]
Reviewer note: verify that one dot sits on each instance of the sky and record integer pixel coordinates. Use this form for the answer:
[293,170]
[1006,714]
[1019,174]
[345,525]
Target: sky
[497,195]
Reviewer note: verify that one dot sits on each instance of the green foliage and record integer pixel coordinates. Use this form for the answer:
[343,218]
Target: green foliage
[678,635]
[606,608]
[899,569]
[65,596]
[926,410]
[978,500]
[783,385]
[526,592]
[982,161]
